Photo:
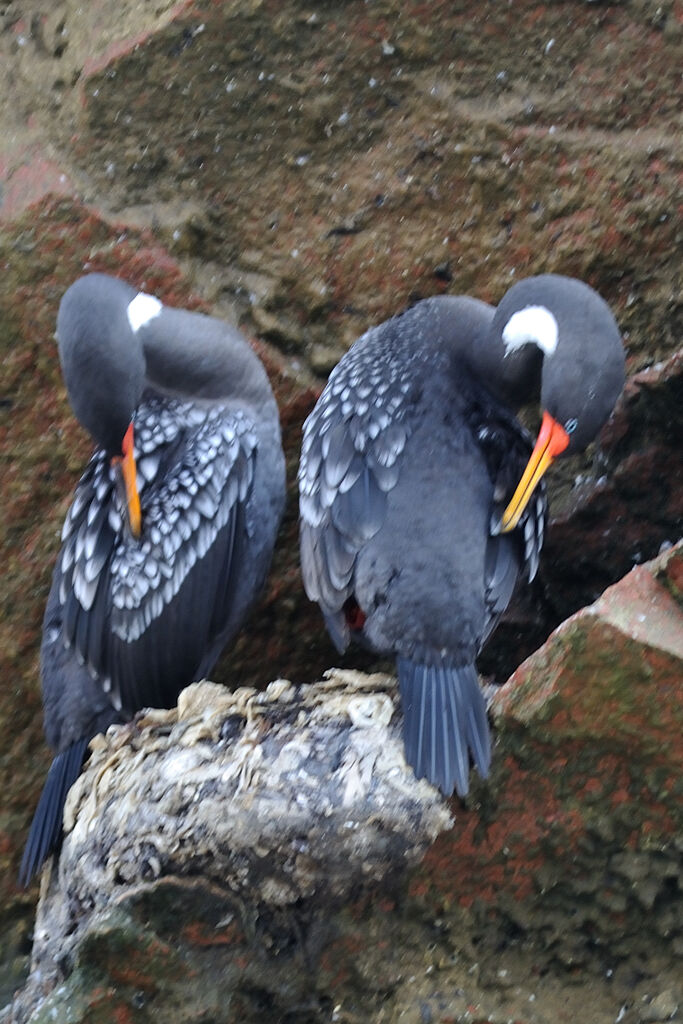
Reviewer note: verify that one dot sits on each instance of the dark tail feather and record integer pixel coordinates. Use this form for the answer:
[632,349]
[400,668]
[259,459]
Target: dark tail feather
[444,721]
[46,828]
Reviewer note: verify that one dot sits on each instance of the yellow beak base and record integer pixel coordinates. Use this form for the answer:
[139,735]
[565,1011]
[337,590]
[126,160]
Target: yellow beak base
[552,439]
[129,473]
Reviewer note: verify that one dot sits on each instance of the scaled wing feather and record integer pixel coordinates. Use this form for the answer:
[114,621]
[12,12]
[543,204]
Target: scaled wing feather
[349,463]
[195,483]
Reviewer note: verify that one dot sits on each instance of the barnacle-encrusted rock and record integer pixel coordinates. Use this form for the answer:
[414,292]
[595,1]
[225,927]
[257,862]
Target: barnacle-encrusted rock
[257,855]
[280,796]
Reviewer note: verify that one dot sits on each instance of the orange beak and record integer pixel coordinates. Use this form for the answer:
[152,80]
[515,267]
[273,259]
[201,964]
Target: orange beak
[552,439]
[129,473]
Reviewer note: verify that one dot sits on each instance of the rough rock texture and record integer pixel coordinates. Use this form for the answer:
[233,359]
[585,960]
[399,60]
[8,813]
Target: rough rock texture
[260,851]
[308,170]
[280,799]
[585,810]
[347,157]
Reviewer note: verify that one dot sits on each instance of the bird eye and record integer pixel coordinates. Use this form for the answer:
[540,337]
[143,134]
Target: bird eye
[571,425]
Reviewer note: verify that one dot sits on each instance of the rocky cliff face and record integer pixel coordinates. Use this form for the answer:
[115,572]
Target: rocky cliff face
[308,170]
[241,857]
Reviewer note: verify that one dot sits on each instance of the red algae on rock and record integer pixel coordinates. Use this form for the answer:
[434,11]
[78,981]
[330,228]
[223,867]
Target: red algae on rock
[588,766]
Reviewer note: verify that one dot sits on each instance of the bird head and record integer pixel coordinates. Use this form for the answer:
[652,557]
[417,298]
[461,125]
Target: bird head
[104,371]
[582,374]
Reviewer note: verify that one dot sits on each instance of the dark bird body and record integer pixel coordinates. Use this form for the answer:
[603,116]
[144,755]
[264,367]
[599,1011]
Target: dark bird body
[408,463]
[140,607]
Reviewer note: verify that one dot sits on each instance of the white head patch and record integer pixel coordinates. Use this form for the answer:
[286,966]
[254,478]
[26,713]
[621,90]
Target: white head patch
[534,324]
[142,309]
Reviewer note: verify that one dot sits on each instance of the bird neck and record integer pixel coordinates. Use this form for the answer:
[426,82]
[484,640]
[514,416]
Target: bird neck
[196,357]
[466,329]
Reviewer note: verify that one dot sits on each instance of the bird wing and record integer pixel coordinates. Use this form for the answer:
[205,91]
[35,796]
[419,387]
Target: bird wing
[142,613]
[350,461]
[507,446]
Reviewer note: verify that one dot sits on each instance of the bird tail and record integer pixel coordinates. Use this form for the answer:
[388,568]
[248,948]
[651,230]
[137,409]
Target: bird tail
[46,828]
[444,721]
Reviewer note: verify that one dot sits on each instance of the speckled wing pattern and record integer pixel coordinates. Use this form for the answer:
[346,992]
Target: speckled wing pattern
[195,469]
[350,460]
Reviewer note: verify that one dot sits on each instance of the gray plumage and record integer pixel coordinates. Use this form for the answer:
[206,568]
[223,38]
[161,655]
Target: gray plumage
[408,461]
[131,620]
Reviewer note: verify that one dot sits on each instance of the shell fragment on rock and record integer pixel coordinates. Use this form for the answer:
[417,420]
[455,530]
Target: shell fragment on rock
[287,794]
